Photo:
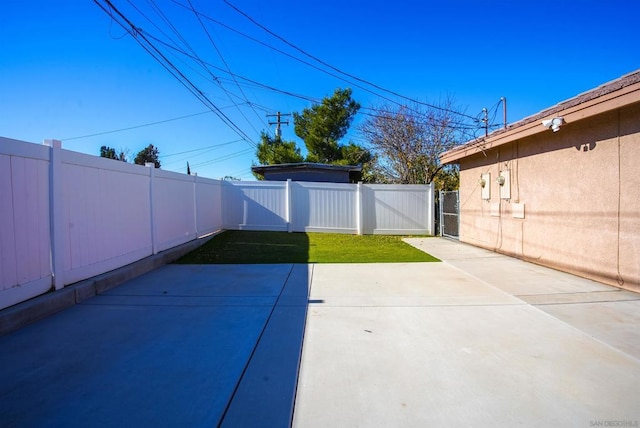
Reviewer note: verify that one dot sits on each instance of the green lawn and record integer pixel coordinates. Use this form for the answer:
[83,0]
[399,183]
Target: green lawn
[281,247]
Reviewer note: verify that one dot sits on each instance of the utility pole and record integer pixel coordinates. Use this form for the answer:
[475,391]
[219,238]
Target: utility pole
[504,111]
[485,119]
[278,122]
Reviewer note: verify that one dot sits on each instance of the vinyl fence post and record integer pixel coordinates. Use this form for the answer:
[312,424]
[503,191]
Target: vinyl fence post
[152,168]
[56,210]
[432,209]
[288,205]
[440,205]
[195,205]
[359,213]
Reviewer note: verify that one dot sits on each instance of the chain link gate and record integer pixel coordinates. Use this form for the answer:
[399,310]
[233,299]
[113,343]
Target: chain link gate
[449,214]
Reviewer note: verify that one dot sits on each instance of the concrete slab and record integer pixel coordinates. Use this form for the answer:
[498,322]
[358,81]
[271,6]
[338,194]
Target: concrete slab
[266,393]
[127,365]
[401,284]
[614,320]
[107,300]
[48,304]
[208,280]
[511,275]
[580,297]
[499,363]
[616,323]
[520,278]
[443,249]
[167,349]
[480,340]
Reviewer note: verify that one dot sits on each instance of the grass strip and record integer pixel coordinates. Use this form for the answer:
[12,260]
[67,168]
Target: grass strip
[249,247]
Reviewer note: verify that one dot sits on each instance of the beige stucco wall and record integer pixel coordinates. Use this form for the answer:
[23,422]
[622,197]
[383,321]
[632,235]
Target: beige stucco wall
[581,193]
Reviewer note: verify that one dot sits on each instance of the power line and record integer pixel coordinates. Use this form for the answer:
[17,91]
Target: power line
[254,82]
[387,114]
[364,88]
[140,36]
[137,126]
[151,49]
[160,122]
[223,158]
[197,150]
[319,69]
[215,46]
[193,55]
[202,153]
[144,39]
[282,39]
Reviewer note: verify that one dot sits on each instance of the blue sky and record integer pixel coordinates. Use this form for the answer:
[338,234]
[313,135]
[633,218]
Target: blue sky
[68,70]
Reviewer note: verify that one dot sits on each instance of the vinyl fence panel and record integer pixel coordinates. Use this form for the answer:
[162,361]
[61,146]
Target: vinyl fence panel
[173,209]
[329,207]
[258,205]
[106,215]
[398,209]
[67,216]
[208,205]
[25,264]
[324,207]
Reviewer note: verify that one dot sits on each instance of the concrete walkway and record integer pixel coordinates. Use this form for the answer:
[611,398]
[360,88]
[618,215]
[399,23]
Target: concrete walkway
[481,340]
[610,314]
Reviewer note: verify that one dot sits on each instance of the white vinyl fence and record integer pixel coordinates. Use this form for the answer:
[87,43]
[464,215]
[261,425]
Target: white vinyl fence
[329,207]
[67,216]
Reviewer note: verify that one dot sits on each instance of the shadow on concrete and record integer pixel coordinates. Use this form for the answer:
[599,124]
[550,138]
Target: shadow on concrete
[184,345]
[265,393]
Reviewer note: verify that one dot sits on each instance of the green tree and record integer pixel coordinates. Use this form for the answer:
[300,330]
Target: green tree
[111,153]
[323,125]
[273,150]
[108,152]
[148,154]
[448,178]
[353,154]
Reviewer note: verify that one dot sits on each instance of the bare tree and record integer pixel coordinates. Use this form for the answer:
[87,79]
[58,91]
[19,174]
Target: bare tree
[409,139]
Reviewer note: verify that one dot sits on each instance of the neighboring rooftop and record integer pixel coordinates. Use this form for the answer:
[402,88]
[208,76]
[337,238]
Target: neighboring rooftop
[308,171]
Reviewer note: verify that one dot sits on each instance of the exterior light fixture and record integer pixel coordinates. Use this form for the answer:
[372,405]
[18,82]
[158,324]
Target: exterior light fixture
[500,180]
[554,124]
[485,188]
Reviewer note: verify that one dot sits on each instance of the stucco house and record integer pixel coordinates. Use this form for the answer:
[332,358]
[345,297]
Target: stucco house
[308,171]
[562,187]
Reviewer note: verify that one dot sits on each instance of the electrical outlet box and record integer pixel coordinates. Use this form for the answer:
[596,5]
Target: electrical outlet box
[505,188]
[517,210]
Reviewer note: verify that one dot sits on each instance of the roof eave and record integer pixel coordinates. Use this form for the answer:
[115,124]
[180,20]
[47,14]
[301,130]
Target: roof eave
[525,128]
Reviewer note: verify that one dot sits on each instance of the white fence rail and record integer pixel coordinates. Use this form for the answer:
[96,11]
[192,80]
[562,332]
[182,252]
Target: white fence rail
[67,216]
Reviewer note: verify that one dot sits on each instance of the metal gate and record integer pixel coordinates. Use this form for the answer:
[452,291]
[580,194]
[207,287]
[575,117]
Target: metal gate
[449,214]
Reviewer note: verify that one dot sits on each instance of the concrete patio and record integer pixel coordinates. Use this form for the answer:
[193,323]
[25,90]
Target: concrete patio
[480,339]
